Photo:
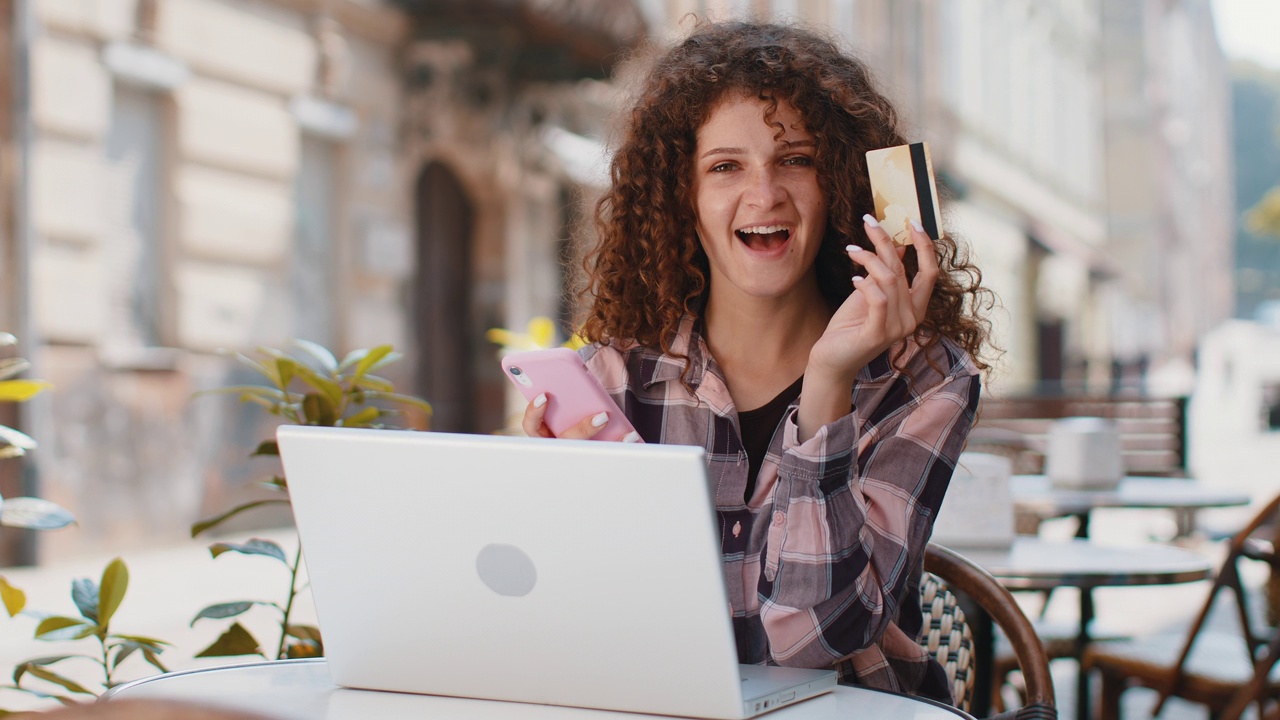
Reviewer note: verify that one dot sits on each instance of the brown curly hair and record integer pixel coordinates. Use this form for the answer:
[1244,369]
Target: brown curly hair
[648,268]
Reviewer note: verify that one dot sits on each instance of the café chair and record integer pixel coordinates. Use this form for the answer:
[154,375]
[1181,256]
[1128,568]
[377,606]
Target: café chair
[949,639]
[1204,665]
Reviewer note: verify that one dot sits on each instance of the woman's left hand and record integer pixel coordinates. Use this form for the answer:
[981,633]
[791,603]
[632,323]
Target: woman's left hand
[884,307]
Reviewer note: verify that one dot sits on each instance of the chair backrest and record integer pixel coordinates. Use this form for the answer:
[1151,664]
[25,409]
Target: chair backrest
[948,637]
[963,575]
[1256,541]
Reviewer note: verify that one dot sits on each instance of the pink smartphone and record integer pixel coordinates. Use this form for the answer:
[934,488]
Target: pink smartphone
[572,393]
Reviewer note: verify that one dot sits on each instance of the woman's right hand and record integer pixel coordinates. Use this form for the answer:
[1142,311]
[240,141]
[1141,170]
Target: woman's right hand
[533,425]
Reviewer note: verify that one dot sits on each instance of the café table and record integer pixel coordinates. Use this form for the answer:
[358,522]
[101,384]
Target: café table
[1032,563]
[302,690]
[1036,493]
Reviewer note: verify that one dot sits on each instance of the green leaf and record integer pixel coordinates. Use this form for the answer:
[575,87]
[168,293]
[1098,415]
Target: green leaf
[328,387]
[219,519]
[403,400]
[319,410]
[115,581]
[20,441]
[85,595]
[278,483]
[362,418]
[373,382]
[151,642]
[266,370]
[13,366]
[34,514]
[368,362]
[254,546]
[287,368]
[151,657]
[14,599]
[21,390]
[352,358]
[266,447]
[326,359]
[235,641]
[53,677]
[60,622]
[124,651]
[20,669]
[225,610]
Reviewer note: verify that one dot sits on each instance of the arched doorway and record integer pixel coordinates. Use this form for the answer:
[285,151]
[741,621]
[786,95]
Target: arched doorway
[442,299]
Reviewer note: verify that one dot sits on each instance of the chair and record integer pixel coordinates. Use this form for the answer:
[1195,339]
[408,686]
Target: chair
[950,641]
[1206,666]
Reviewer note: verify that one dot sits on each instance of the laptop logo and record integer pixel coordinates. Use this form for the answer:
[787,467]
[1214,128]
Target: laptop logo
[506,570]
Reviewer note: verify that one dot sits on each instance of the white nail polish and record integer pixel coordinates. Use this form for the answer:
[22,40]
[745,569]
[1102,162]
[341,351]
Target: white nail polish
[853,248]
[540,400]
[600,419]
[870,220]
[631,437]
[916,224]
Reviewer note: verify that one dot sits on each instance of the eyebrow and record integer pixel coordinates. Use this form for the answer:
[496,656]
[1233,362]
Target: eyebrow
[738,151]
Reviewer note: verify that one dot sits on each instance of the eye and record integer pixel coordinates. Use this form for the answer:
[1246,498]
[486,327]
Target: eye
[798,161]
[721,167]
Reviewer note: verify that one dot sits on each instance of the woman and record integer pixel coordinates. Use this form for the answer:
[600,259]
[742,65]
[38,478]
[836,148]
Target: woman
[742,299]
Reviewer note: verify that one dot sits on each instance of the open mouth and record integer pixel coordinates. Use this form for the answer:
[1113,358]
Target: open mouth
[764,237]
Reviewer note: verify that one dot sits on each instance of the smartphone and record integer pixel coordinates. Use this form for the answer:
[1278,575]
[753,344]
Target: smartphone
[572,392]
[903,188]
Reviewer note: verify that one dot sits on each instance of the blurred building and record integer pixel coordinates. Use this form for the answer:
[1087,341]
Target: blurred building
[214,174]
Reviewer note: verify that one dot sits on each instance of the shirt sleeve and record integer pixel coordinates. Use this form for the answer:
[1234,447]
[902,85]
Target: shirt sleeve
[852,512]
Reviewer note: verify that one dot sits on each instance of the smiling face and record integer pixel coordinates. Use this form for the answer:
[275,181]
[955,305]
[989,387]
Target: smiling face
[761,212]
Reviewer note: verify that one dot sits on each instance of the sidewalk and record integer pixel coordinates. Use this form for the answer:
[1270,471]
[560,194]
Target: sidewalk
[168,586]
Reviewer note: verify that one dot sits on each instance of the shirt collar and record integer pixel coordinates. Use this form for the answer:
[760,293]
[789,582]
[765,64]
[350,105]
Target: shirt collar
[665,367]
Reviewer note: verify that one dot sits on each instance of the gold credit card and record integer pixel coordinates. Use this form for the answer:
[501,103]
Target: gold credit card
[903,188]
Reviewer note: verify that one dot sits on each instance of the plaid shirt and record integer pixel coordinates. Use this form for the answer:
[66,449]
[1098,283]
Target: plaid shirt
[823,562]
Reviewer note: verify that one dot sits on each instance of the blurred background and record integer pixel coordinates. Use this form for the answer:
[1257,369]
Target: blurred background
[185,176]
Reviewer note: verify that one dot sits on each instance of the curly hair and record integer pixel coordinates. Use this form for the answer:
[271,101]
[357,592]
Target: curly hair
[648,269]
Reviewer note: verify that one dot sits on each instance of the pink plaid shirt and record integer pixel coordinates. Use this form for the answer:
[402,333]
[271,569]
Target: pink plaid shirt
[823,562]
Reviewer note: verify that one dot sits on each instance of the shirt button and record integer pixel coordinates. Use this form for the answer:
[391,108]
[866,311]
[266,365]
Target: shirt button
[779,518]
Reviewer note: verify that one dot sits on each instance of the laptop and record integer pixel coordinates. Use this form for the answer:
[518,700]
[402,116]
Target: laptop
[560,572]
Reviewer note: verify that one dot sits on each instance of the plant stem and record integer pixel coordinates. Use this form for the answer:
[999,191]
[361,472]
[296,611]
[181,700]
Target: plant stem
[106,662]
[288,606]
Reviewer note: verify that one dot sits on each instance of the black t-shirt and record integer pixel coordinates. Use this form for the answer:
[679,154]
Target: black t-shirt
[757,428]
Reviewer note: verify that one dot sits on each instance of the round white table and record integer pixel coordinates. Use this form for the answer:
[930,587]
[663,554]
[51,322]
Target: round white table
[1035,564]
[1184,496]
[302,690]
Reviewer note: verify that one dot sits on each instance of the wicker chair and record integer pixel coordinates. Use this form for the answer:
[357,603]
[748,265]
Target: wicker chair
[949,639]
[1204,666]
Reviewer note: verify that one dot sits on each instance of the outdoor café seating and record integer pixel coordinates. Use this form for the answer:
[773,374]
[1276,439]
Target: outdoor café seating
[949,636]
[1205,665]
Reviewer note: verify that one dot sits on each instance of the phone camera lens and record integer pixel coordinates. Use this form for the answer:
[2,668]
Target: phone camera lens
[516,371]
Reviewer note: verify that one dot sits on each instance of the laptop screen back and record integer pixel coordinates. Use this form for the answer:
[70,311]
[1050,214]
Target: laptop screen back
[548,571]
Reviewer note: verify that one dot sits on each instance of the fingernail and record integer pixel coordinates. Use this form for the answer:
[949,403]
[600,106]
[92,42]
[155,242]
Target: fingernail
[857,279]
[870,220]
[853,248]
[540,400]
[632,436]
[916,224]
[600,419]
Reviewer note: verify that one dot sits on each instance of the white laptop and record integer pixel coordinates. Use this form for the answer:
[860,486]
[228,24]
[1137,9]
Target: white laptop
[560,572]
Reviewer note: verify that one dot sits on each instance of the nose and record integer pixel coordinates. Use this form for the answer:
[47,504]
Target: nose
[765,190]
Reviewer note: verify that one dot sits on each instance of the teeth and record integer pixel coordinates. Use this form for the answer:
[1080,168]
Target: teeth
[764,229]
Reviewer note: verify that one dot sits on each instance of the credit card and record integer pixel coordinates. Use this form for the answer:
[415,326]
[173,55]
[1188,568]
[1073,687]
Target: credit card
[903,188]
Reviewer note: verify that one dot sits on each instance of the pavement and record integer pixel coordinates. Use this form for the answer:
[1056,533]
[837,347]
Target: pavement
[169,585]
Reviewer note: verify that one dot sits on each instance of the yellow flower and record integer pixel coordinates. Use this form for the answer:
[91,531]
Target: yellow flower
[539,334]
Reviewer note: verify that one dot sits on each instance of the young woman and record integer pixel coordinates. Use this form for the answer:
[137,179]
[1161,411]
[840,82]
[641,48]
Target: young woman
[742,298]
